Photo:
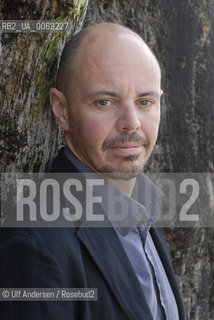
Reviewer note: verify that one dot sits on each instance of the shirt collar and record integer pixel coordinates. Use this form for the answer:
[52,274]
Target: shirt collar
[142,208]
[144,201]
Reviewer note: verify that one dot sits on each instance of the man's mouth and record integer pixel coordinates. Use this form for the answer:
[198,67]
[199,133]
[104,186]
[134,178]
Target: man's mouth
[125,143]
[127,149]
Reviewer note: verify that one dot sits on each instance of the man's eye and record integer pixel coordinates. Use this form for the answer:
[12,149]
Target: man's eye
[103,102]
[145,102]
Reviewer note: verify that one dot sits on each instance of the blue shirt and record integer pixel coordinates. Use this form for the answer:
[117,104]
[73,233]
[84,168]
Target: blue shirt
[138,244]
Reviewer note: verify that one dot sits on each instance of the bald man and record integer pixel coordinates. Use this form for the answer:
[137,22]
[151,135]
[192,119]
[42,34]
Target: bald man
[107,102]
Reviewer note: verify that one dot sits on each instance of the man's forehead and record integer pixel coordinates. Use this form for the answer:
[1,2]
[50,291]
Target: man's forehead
[118,48]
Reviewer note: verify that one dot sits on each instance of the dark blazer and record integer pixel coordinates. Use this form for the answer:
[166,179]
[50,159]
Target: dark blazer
[76,258]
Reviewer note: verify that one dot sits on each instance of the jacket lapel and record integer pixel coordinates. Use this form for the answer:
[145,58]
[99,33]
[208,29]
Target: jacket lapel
[110,258]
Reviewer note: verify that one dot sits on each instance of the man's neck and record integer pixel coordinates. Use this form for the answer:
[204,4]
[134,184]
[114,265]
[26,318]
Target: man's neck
[125,186]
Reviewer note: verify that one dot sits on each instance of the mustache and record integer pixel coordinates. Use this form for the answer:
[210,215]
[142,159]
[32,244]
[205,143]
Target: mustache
[126,137]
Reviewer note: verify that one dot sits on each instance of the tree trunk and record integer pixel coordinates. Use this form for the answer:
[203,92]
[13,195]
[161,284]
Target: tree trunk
[29,137]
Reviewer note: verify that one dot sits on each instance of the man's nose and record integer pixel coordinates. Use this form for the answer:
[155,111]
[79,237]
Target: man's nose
[128,118]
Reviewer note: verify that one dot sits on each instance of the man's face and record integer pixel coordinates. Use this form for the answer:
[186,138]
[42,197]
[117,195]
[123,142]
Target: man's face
[114,106]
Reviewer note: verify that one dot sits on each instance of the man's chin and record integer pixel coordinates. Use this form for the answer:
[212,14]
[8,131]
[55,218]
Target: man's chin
[122,174]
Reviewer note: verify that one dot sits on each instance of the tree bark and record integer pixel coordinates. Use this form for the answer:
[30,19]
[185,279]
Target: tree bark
[29,137]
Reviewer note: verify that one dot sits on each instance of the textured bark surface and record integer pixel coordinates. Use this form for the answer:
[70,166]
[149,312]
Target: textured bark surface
[181,34]
[29,137]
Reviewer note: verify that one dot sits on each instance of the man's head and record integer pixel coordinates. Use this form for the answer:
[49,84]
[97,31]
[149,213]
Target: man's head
[107,99]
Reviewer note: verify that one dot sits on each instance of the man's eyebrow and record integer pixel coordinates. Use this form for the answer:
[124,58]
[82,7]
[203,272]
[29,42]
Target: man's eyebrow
[104,93]
[149,93]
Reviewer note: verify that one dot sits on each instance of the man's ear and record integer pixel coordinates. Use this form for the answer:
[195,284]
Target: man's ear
[59,106]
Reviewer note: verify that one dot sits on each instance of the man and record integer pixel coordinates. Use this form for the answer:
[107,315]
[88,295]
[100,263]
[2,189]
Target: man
[107,101]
